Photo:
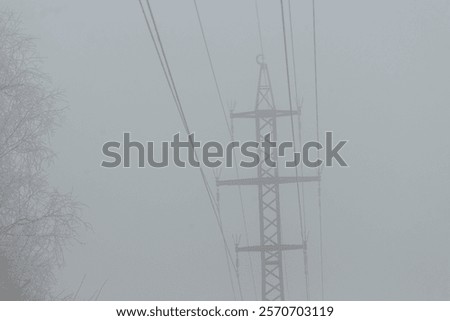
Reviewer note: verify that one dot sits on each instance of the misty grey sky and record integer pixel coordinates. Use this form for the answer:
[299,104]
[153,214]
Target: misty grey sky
[383,85]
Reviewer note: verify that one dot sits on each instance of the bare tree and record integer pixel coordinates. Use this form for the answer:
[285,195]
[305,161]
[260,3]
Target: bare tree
[36,221]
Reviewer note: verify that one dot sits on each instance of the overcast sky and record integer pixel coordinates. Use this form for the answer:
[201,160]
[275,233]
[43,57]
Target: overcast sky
[383,69]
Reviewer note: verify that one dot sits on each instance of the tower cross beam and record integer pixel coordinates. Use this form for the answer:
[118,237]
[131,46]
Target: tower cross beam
[270,181]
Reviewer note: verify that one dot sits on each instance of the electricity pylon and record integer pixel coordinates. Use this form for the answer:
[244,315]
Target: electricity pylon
[268,182]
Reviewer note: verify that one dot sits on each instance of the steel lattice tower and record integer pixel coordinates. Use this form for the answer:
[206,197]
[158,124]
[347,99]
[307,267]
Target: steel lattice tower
[268,182]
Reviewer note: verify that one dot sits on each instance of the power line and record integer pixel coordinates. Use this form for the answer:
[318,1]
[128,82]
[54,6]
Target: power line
[212,66]
[219,94]
[319,188]
[294,66]
[302,227]
[228,259]
[171,83]
[259,28]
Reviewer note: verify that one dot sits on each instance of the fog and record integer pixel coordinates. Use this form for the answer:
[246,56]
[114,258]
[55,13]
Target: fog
[383,77]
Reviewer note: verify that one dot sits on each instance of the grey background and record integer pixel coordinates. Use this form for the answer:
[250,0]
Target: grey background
[383,81]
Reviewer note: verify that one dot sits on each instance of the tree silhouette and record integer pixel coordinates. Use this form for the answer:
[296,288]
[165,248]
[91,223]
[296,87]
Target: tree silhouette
[36,220]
